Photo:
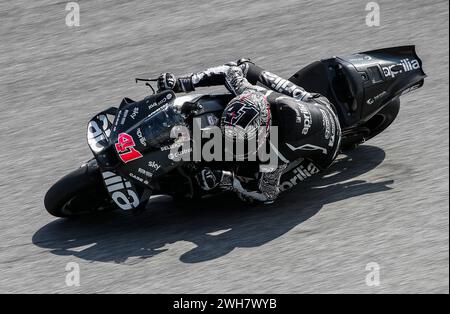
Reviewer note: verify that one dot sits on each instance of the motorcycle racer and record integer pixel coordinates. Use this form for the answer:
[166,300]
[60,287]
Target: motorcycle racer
[307,123]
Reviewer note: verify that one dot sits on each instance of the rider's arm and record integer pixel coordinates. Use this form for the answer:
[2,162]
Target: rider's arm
[234,75]
[267,188]
[231,75]
[272,81]
[237,76]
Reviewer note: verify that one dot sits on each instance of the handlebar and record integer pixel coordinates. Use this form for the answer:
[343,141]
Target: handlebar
[147,82]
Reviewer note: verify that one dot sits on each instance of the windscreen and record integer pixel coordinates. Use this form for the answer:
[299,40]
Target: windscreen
[158,126]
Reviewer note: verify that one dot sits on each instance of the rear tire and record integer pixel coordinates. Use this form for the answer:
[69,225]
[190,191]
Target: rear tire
[377,124]
[78,193]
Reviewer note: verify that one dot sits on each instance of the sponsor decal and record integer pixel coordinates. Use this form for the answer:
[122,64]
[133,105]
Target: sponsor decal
[281,85]
[125,148]
[299,174]
[125,114]
[405,65]
[117,120]
[138,178]
[326,124]
[152,164]
[372,100]
[153,105]
[307,120]
[141,137]
[159,103]
[333,129]
[121,191]
[134,113]
[146,173]
[175,145]
[360,59]
[179,155]
[212,120]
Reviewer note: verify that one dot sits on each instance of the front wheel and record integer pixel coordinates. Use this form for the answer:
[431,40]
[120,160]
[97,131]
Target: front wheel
[352,137]
[78,193]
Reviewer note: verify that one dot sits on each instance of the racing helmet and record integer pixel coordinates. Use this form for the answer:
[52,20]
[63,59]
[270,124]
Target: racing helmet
[245,124]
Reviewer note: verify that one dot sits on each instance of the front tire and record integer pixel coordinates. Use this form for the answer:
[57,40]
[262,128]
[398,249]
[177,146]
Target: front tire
[79,193]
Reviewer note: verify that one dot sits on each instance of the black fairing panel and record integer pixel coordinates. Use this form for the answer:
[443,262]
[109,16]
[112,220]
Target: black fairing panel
[212,109]
[360,85]
[146,124]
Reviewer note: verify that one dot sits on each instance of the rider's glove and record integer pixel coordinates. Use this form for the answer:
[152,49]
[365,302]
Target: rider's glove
[209,179]
[168,81]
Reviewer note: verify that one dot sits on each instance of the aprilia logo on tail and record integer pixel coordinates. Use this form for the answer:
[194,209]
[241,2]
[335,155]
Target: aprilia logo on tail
[405,65]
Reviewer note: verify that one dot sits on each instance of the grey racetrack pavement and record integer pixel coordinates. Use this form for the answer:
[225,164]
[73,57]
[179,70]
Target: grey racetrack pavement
[386,202]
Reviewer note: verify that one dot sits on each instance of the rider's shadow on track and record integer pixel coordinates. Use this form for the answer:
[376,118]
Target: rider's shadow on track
[216,226]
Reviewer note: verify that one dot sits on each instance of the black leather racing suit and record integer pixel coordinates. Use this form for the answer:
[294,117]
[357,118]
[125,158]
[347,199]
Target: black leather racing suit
[307,124]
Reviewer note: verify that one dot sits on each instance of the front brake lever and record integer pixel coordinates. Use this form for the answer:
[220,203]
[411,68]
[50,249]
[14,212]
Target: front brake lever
[151,87]
[147,82]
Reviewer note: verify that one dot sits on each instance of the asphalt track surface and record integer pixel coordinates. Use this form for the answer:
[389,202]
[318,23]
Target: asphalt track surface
[387,202]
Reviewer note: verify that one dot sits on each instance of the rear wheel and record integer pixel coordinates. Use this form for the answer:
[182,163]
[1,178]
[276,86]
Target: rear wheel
[78,193]
[352,137]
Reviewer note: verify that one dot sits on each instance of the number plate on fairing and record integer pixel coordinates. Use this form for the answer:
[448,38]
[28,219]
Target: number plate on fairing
[121,190]
[98,132]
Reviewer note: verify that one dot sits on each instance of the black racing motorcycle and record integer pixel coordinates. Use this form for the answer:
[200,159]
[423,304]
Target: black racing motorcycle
[136,156]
